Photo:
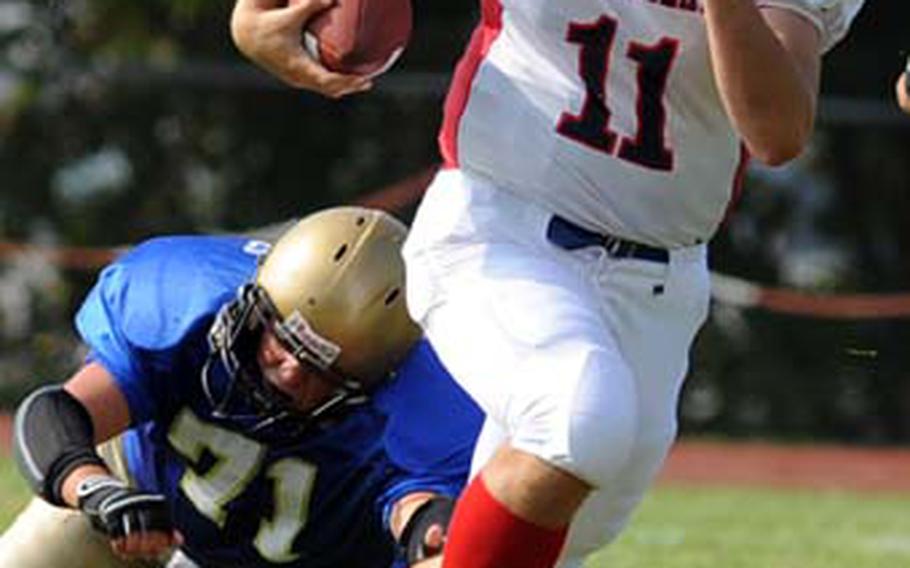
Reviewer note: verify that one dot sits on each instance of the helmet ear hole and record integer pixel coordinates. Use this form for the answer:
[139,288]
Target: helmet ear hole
[339,254]
[392,296]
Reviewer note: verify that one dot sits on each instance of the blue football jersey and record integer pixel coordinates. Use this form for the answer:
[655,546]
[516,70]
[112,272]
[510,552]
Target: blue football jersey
[320,498]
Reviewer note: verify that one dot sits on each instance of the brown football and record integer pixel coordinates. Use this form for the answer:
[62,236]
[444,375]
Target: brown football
[360,37]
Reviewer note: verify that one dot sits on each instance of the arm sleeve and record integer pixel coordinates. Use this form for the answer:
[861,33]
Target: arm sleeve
[832,18]
[147,317]
[101,323]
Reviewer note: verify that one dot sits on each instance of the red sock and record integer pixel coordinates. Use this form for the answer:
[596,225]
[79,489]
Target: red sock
[484,534]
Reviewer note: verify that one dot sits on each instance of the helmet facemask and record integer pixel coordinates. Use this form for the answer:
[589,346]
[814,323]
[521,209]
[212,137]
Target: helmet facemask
[247,396]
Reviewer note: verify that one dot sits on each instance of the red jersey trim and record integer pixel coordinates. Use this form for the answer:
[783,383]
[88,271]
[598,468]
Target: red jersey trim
[459,91]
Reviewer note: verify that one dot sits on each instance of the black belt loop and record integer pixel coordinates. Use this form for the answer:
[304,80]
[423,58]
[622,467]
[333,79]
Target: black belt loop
[565,234]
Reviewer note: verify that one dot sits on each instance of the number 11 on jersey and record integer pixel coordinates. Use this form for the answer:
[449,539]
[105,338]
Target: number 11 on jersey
[591,126]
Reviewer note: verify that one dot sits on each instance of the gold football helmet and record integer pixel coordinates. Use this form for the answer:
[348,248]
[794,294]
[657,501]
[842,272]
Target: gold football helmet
[336,280]
[332,290]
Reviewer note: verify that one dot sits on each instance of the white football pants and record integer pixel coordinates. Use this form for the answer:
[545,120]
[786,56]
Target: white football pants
[575,356]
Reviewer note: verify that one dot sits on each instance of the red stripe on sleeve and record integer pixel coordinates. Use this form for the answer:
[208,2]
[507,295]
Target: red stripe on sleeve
[459,91]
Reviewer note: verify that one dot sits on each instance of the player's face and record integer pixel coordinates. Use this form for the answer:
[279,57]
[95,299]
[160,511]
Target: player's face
[303,386]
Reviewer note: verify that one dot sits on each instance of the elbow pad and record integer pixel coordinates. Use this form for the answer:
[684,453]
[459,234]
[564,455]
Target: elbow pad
[53,435]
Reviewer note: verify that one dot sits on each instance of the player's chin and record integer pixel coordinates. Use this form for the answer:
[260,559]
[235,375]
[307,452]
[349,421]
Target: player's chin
[306,404]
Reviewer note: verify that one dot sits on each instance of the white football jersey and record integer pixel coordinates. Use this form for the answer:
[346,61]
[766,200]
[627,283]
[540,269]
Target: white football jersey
[606,111]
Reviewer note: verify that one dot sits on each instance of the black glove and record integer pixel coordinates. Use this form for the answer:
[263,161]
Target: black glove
[117,510]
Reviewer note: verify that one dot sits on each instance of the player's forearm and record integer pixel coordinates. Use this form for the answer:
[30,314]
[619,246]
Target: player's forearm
[768,91]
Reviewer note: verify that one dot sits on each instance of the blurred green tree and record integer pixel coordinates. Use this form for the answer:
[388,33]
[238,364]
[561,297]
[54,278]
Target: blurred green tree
[120,120]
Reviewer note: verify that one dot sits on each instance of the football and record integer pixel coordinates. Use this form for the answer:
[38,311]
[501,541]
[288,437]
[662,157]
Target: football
[360,37]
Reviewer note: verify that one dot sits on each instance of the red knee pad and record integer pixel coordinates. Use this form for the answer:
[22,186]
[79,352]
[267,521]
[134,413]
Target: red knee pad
[484,534]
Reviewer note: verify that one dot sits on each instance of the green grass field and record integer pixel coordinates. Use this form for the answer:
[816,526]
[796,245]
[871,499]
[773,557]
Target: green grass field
[13,491]
[736,528]
[717,527]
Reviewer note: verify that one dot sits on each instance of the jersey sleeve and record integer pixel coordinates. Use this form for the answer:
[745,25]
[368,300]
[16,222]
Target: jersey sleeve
[431,430]
[153,305]
[832,18]
[99,323]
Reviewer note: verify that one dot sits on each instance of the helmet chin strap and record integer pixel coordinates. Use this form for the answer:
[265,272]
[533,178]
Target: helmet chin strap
[332,407]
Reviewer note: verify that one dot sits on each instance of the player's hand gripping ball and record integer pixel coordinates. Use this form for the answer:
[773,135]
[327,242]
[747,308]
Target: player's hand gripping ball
[360,37]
